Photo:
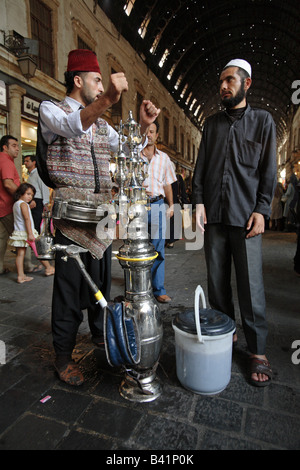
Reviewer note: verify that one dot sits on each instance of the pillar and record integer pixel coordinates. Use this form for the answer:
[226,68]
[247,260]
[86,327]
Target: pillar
[14,121]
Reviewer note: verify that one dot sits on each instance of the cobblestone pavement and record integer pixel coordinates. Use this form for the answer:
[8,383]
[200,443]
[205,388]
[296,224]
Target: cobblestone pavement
[95,416]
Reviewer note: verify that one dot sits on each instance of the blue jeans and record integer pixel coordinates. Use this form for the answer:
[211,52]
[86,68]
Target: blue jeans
[157,233]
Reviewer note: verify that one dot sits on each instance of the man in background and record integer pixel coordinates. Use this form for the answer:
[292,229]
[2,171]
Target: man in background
[158,185]
[9,182]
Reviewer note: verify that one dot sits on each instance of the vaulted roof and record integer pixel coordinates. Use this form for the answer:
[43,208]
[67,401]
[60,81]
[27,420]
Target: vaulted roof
[186,43]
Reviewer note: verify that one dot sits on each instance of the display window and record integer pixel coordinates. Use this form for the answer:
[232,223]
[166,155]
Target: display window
[28,141]
[3,108]
[3,123]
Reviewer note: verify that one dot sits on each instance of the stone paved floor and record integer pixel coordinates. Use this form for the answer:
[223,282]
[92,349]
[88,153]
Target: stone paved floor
[95,416]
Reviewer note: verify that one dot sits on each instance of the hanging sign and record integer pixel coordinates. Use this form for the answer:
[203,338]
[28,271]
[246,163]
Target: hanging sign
[3,95]
[30,106]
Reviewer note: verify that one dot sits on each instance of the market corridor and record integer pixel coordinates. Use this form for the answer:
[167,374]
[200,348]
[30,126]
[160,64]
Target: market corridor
[95,416]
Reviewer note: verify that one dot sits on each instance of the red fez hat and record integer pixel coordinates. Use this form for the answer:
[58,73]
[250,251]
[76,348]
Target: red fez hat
[83,60]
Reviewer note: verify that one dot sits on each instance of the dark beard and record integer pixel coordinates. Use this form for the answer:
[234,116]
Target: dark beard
[233,101]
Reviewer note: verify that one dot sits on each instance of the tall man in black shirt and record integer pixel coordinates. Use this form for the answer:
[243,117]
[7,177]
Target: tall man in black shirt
[233,186]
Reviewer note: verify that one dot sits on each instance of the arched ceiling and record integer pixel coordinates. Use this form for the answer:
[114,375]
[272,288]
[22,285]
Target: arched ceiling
[187,43]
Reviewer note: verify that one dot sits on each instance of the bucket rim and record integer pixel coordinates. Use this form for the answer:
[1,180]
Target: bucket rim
[205,337]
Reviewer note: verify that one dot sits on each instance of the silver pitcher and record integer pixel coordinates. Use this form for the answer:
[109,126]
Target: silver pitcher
[44,242]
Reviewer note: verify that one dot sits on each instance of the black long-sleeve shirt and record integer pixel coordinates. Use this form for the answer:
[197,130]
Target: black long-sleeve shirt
[235,172]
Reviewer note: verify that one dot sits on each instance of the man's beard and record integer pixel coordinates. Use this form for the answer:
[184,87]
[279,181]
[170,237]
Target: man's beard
[87,96]
[87,99]
[235,100]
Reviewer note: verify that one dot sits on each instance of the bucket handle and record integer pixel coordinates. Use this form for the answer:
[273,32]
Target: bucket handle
[199,293]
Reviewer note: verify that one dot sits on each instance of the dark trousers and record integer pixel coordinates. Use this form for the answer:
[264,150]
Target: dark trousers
[223,244]
[297,255]
[37,214]
[71,295]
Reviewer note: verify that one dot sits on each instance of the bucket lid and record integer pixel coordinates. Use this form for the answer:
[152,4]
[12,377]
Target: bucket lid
[212,322]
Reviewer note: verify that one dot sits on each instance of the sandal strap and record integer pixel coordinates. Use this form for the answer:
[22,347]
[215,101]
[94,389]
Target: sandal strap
[260,366]
[71,374]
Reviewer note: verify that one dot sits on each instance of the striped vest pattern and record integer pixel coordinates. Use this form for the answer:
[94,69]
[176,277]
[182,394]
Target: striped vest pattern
[70,166]
[70,163]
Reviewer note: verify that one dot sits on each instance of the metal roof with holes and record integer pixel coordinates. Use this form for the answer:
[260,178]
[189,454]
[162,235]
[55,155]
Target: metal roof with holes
[186,44]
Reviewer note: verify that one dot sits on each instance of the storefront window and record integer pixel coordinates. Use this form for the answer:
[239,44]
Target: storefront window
[3,123]
[28,141]
[28,136]
[3,108]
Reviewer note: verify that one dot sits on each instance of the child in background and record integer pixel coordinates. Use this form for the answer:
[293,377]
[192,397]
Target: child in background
[114,191]
[24,230]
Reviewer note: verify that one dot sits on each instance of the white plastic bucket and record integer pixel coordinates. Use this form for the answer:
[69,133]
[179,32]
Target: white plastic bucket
[203,362]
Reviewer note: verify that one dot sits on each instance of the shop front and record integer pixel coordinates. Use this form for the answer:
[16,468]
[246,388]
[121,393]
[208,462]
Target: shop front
[3,108]
[29,120]
[19,105]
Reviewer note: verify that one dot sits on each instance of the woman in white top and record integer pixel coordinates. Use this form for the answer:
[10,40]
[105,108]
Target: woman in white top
[24,230]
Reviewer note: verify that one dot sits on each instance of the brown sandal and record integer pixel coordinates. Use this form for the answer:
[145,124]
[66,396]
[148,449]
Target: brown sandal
[71,374]
[260,366]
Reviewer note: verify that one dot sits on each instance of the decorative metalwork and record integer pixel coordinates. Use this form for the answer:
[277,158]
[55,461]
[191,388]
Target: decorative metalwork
[136,257]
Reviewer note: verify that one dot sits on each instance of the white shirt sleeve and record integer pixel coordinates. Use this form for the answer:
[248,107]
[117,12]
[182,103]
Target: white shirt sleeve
[113,138]
[55,122]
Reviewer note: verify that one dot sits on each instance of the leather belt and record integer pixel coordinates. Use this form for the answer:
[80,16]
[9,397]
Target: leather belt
[155,199]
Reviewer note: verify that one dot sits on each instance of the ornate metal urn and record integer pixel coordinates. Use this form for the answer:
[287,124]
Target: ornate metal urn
[136,257]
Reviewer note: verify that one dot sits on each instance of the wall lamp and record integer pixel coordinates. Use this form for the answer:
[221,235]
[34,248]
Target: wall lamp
[27,66]
[24,49]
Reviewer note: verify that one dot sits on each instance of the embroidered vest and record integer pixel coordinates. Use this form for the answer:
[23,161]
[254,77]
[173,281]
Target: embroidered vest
[71,167]
[70,161]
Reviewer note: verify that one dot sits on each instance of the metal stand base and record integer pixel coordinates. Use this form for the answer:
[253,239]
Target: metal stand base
[142,390]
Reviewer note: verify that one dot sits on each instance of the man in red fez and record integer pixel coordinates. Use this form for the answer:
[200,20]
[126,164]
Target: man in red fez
[73,154]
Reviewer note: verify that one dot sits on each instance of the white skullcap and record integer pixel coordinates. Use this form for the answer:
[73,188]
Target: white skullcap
[243,64]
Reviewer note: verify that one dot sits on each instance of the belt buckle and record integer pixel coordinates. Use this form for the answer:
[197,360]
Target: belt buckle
[155,199]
